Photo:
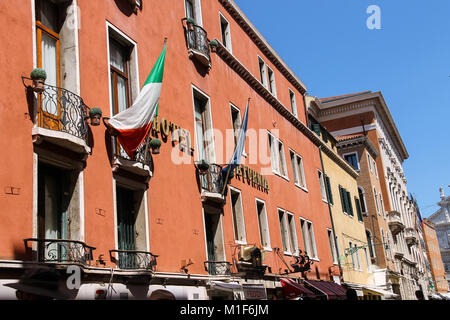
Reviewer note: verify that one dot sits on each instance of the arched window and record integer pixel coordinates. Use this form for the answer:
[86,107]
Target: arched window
[370,244]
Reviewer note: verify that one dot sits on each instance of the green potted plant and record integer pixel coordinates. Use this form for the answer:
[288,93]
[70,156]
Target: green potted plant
[95,114]
[38,76]
[155,144]
[202,166]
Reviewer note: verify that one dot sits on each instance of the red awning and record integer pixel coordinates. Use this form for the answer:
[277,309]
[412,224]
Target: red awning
[332,290]
[292,289]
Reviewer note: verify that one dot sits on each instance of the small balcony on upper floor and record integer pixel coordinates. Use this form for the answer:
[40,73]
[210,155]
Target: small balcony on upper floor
[197,43]
[133,260]
[211,181]
[60,117]
[395,222]
[410,236]
[59,251]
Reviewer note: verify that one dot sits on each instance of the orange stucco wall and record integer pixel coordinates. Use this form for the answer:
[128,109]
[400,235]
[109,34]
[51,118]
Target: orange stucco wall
[176,226]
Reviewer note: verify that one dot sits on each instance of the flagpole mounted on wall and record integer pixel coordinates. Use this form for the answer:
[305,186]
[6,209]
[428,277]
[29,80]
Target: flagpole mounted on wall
[237,154]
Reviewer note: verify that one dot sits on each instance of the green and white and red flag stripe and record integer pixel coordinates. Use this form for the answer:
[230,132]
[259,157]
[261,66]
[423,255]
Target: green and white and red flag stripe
[134,123]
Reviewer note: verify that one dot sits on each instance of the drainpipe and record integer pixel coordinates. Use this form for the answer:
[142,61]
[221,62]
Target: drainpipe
[331,216]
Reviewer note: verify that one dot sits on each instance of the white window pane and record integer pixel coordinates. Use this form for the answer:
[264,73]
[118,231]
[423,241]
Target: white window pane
[49,62]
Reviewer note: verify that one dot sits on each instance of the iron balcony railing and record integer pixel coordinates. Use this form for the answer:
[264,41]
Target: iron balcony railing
[212,180]
[142,154]
[218,268]
[197,41]
[61,110]
[133,259]
[60,251]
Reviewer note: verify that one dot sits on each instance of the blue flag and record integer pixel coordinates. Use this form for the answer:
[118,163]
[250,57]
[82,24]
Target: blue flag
[236,157]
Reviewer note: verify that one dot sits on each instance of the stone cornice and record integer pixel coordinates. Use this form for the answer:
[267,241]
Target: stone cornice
[240,69]
[262,44]
[374,99]
[348,143]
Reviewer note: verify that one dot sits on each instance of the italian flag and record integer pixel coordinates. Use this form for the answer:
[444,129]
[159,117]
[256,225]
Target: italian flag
[134,123]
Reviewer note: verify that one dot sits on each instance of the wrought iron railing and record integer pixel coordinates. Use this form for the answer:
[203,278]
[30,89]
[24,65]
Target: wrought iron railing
[61,251]
[212,180]
[218,268]
[133,259]
[197,39]
[142,154]
[62,110]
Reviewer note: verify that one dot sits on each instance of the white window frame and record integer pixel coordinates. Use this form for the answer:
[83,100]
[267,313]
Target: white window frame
[363,200]
[285,238]
[292,233]
[277,156]
[322,186]
[265,221]
[197,11]
[369,265]
[332,242]
[376,200]
[368,161]
[381,204]
[228,44]
[375,168]
[357,159]
[293,101]
[238,221]
[309,240]
[298,169]
[211,154]
[357,256]
[271,84]
[262,68]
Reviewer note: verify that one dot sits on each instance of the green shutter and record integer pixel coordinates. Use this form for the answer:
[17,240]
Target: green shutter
[349,201]
[358,209]
[341,193]
[328,185]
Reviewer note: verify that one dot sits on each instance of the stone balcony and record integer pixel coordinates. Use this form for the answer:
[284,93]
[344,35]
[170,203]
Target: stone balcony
[410,236]
[395,222]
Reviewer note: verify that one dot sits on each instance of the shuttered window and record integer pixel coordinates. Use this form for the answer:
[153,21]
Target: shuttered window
[358,209]
[328,186]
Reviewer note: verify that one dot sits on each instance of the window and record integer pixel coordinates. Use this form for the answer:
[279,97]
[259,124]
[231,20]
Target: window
[362,200]
[332,243]
[203,127]
[370,244]
[278,160]
[328,186]
[352,159]
[236,122]
[375,168]
[350,248]
[48,41]
[357,256]
[262,72]
[225,32]
[346,201]
[322,186]
[297,169]
[292,233]
[284,231]
[381,204]
[193,11]
[238,216]
[309,241]
[369,162]
[368,264]
[262,223]
[293,102]
[358,209]
[272,86]
[376,199]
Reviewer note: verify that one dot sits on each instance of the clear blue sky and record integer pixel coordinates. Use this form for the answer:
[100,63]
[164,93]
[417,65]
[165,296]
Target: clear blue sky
[327,44]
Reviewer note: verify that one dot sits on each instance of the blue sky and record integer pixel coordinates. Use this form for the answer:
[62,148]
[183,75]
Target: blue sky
[327,44]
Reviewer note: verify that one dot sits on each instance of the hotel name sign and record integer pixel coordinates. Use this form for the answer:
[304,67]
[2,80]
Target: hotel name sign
[165,128]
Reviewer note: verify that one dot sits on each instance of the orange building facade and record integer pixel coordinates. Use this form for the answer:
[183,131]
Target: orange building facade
[159,221]
[434,257]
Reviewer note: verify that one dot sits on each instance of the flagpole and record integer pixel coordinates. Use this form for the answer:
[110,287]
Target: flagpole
[228,171]
[148,134]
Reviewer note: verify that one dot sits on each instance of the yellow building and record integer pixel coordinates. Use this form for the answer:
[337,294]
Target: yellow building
[340,191]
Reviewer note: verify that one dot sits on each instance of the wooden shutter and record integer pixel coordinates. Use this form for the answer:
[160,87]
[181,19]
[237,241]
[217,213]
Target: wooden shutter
[328,186]
[349,201]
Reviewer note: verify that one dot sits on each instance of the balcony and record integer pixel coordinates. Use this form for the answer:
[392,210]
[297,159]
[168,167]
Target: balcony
[133,260]
[398,253]
[141,165]
[197,43]
[247,260]
[218,268]
[212,183]
[60,251]
[410,236]
[60,118]
[395,222]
